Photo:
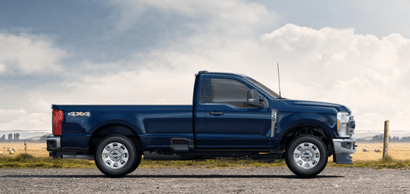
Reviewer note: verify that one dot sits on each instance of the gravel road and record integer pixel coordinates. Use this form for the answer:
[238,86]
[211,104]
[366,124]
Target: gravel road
[255,180]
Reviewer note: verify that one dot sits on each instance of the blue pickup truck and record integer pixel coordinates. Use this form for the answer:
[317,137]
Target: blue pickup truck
[231,116]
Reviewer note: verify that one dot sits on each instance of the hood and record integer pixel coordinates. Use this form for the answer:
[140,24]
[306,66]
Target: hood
[318,104]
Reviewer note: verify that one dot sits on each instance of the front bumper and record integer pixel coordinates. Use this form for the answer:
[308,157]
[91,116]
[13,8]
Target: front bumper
[343,148]
[54,146]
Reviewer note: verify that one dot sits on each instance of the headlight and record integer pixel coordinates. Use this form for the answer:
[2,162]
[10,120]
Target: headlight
[345,124]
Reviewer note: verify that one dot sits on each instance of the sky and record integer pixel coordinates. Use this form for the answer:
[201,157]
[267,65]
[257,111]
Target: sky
[354,53]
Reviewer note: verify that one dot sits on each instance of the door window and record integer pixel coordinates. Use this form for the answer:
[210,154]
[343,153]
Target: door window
[229,91]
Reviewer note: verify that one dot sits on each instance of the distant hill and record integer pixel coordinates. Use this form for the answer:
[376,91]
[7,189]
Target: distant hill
[392,133]
[25,134]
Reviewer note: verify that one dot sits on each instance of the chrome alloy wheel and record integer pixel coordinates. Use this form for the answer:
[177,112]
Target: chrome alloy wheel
[306,155]
[115,155]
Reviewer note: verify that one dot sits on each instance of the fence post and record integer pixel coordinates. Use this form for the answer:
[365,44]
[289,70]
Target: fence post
[386,139]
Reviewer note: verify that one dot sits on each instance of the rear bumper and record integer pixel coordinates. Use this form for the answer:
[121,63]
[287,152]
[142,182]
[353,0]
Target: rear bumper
[54,146]
[343,149]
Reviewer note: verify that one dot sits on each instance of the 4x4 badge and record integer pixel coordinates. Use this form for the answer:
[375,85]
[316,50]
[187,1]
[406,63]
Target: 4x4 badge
[75,114]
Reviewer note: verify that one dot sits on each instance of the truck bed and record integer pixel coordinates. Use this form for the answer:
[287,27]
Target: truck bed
[155,124]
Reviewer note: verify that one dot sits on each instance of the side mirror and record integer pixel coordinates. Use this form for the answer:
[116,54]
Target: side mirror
[255,99]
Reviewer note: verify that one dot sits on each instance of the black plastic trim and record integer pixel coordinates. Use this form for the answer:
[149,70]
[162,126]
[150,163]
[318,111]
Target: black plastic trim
[342,138]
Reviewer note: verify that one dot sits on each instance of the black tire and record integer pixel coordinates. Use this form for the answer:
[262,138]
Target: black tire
[120,148]
[138,159]
[302,165]
[136,164]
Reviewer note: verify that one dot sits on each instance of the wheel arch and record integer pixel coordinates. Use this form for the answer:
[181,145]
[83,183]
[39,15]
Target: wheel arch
[113,128]
[307,128]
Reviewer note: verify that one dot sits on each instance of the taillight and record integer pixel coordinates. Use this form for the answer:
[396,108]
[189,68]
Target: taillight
[58,117]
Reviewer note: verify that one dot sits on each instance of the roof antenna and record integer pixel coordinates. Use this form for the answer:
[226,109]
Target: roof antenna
[280,96]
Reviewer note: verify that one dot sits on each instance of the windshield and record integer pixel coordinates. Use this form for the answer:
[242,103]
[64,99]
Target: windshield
[264,88]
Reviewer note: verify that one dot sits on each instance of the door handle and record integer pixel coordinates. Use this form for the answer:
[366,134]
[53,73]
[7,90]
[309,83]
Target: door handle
[216,113]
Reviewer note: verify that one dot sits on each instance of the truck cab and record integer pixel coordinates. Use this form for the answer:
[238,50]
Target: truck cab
[231,115]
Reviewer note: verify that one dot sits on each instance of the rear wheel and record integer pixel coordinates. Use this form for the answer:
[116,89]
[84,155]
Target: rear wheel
[306,156]
[117,156]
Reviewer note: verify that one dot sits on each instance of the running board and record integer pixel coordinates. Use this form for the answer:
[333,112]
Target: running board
[182,144]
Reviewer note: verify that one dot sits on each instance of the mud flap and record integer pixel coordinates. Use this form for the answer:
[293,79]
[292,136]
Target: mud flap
[342,159]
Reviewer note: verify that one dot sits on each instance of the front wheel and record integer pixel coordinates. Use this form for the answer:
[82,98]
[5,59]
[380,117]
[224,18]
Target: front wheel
[116,156]
[306,156]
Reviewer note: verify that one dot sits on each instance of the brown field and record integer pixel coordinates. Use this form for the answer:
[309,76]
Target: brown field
[398,151]
[35,149]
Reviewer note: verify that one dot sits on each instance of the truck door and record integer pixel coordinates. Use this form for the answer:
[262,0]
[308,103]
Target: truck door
[229,121]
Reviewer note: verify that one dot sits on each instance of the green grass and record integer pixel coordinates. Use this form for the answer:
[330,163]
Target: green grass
[29,161]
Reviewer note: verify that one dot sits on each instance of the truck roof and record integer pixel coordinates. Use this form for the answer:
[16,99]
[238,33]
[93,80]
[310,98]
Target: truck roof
[207,72]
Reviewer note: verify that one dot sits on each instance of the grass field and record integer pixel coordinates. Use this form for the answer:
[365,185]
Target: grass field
[398,151]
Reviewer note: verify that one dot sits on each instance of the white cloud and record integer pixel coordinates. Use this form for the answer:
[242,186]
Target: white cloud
[145,86]
[21,119]
[2,68]
[9,114]
[235,17]
[28,54]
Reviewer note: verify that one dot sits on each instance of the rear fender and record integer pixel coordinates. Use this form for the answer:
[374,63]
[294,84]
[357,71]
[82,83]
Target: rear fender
[116,122]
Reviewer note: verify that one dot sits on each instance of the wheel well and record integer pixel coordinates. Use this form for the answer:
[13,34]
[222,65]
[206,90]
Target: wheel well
[112,129]
[310,129]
